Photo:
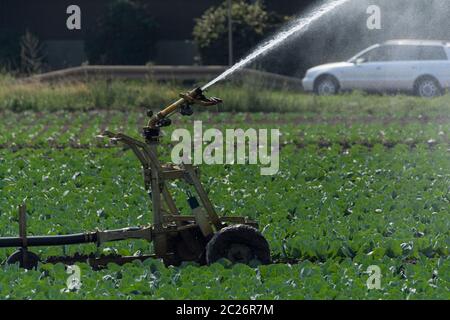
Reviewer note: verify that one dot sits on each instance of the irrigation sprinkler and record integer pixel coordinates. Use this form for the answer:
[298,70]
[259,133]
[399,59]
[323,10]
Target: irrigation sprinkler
[202,237]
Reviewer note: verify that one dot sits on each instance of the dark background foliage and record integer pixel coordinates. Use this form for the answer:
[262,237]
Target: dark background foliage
[251,24]
[9,49]
[126,35]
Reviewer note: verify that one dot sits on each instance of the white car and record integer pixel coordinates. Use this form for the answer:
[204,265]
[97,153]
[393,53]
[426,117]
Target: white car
[418,66]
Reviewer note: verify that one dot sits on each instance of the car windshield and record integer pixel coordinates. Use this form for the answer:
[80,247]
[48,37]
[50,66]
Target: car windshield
[362,53]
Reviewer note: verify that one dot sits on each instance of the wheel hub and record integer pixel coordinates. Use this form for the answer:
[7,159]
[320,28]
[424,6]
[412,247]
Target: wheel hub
[327,88]
[428,89]
[239,253]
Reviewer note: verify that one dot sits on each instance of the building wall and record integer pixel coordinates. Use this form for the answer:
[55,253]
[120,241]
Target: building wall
[47,18]
[176,18]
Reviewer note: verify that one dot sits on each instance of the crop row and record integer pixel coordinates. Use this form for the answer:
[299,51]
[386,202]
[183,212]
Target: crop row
[79,130]
[426,279]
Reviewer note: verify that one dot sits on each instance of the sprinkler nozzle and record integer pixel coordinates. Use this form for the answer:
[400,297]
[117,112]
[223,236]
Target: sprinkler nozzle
[193,97]
[196,96]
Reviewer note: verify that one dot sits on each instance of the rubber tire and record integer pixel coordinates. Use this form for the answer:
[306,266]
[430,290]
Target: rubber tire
[323,79]
[219,246]
[423,79]
[16,257]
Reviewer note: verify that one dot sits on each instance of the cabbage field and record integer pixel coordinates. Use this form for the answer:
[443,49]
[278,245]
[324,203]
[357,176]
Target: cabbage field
[356,188]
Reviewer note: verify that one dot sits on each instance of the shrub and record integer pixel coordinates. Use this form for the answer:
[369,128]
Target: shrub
[124,35]
[251,24]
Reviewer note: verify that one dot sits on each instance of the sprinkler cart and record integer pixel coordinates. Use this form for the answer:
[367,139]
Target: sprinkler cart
[202,237]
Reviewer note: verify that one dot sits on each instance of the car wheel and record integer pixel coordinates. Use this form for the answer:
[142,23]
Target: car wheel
[326,86]
[25,259]
[428,87]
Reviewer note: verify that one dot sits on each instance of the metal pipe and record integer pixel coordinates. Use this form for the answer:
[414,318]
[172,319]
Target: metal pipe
[40,241]
[172,108]
[230,34]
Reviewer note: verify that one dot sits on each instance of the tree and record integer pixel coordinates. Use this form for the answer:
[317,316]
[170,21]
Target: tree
[124,35]
[31,54]
[251,24]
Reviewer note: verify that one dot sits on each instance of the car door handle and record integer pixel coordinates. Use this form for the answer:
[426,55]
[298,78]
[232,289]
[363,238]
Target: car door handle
[379,68]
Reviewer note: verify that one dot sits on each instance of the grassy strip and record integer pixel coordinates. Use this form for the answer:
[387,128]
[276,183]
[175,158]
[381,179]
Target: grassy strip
[249,97]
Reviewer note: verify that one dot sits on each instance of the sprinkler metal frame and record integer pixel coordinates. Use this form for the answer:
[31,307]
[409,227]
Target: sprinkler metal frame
[201,237]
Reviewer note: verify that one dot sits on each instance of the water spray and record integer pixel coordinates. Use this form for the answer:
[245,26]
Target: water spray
[299,25]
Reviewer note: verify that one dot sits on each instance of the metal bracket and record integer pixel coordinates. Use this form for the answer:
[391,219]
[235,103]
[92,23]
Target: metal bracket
[23,232]
[124,234]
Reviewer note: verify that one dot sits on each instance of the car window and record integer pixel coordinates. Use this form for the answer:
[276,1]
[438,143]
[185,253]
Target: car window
[404,53]
[432,53]
[392,53]
[388,53]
